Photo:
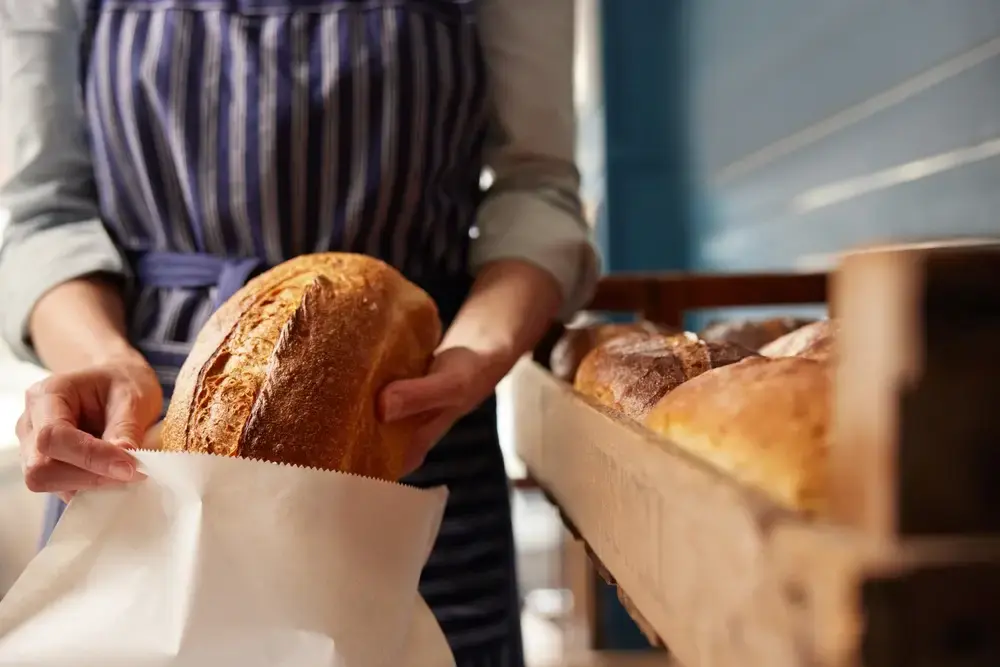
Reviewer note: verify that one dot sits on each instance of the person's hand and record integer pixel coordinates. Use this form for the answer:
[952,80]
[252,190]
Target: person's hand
[508,309]
[458,381]
[76,427]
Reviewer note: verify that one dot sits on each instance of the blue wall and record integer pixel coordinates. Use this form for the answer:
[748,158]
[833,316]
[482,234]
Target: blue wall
[728,122]
[645,102]
[853,94]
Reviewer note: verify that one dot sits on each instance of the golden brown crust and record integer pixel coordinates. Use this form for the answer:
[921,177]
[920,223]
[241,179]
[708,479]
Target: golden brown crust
[631,373]
[577,342]
[814,341]
[752,334]
[763,421]
[289,368]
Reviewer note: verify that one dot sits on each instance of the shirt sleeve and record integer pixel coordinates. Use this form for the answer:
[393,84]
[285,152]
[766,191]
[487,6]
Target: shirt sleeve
[54,233]
[533,211]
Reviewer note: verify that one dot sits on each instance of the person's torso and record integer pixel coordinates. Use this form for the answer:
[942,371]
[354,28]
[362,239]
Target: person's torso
[272,128]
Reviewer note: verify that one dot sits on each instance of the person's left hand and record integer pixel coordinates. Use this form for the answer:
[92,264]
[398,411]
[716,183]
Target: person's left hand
[458,381]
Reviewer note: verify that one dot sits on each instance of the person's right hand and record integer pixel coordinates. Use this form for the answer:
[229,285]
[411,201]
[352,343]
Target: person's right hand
[76,427]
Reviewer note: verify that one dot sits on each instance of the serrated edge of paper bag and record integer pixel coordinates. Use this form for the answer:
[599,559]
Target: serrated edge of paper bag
[142,451]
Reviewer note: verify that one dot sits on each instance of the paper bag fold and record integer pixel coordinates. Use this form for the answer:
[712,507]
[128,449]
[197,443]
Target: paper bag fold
[215,560]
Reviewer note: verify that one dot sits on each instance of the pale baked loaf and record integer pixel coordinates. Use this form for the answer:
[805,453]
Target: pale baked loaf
[631,373]
[577,342]
[813,341]
[288,370]
[752,334]
[763,421]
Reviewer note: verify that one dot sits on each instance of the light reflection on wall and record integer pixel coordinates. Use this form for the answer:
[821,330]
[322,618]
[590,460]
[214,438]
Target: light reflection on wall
[589,99]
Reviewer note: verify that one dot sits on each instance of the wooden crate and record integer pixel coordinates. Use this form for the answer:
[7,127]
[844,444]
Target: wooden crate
[907,569]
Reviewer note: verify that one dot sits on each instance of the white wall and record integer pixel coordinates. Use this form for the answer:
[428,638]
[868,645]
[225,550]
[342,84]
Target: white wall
[589,89]
[588,78]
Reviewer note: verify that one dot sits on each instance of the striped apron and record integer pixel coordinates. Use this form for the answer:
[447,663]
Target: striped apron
[231,135]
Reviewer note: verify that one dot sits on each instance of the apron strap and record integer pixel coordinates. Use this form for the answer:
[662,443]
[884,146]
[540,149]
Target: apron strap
[54,508]
[90,11]
[174,270]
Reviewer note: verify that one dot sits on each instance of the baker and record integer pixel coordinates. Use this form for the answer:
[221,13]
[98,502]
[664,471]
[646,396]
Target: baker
[158,153]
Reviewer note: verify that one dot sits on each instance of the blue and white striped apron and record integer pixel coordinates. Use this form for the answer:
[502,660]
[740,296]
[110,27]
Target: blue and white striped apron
[230,135]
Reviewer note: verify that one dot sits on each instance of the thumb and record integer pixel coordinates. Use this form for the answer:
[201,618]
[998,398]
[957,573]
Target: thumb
[406,398]
[425,437]
[121,422]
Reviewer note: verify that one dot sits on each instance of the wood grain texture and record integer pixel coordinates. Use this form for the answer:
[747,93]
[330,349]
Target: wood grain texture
[686,544]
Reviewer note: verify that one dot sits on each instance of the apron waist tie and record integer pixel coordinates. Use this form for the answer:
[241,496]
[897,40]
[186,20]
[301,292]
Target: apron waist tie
[193,270]
[186,270]
[180,270]
[228,274]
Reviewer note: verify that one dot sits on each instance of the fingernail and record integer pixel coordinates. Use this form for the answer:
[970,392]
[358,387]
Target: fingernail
[121,471]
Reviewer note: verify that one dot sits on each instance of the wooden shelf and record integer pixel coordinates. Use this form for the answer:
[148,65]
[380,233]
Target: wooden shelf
[909,558]
[686,544]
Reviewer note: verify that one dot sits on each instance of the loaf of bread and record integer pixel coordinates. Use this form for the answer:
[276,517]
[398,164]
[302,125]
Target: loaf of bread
[577,342]
[813,341]
[752,334]
[763,421]
[629,374]
[288,370]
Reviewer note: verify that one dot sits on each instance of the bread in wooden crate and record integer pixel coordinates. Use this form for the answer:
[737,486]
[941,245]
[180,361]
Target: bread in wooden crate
[752,334]
[763,421]
[813,341]
[577,342]
[629,374]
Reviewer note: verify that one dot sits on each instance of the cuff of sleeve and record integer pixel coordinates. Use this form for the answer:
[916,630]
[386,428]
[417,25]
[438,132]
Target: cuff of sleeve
[527,227]
[32,265]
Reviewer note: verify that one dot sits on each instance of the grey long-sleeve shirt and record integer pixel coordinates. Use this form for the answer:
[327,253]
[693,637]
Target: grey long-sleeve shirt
[54,231]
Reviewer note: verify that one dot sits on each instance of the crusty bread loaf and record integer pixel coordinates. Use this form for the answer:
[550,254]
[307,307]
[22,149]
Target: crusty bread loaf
[752,334]
[631,373]
[288,370]
[577,342]
[813,341]
[763,421]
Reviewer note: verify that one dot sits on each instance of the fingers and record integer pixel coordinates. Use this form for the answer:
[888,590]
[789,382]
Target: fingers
[46,402]
[64,443]
[58,456]
[406,398]
[23,426]
[56,476]
[426,436]
[122,425]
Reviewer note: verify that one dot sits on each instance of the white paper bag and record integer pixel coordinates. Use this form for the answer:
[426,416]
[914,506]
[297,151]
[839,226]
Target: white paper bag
[218,562]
